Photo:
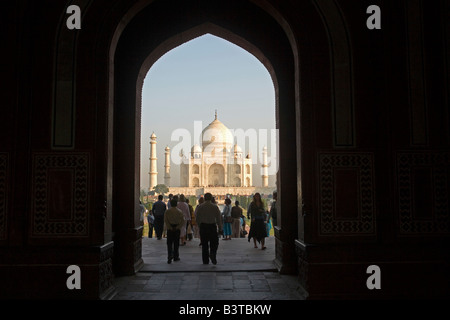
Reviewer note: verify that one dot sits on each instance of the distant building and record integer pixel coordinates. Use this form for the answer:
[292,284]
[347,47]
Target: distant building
[218,162]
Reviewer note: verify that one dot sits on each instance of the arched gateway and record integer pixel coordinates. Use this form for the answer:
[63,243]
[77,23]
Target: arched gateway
[363,156]
[264,37]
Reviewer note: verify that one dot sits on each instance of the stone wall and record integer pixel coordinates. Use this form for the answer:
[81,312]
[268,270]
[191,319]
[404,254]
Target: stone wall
[191,191]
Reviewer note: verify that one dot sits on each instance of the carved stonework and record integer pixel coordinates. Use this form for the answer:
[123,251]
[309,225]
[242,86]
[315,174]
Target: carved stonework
[303,265]
[361,220]
[106,275]
[414,170]
[137,250]
[106,269]
[67,213]
[3,195]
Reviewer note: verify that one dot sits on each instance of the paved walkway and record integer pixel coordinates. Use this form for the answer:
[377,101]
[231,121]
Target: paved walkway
[242,273]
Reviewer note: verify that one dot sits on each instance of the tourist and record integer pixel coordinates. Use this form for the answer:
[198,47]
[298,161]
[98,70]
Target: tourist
[197,227]
[209,220]
[158,210]
[174,220]
[236,213]
[200,201]
[142,210]
[150,223]
[268,224]
[168,202]
[189,230]
[273,210]
[168,207]
[243,227]
[258,217]
[227,219]
[183,206]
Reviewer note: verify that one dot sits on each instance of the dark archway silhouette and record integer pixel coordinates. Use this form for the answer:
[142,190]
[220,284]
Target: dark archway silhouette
[357,143]
[142,42]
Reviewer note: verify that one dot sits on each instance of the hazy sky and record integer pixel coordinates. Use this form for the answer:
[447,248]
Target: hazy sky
[189,83]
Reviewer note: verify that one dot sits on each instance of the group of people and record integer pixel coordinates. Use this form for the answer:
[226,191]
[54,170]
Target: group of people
[179,220]
[156,217]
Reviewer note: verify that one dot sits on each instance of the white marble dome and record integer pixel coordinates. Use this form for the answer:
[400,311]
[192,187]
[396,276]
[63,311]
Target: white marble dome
[218,134]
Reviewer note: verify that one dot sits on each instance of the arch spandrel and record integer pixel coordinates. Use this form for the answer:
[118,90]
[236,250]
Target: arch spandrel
[198,31]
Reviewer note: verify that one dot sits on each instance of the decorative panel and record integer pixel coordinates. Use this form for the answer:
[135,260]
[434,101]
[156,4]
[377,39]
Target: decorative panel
[350,211]
[60,195]
[423,182]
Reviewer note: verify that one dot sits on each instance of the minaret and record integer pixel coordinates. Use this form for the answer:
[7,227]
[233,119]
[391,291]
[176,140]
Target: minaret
[153,172]
[265,169]
[167,167]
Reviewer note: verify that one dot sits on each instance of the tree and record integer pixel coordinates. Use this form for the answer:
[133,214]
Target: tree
[143,194]
[193,200]
[161,189]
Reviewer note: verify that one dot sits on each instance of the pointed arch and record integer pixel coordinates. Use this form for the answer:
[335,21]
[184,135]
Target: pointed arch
[195,32]
[153,31]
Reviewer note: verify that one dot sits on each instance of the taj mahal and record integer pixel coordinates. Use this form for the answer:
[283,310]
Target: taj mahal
[218,165]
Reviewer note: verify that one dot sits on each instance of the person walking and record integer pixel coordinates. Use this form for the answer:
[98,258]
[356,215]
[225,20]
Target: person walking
[268,224]
[151,223]
[168,202]
[273,210]
[213,201]
[174,220]
[142,210]
[210,221]
[164,233]
[183,206]
[189,230]
[158,210]
[197,227]
[236,213]
[227,219]
[258,221]
[244,231]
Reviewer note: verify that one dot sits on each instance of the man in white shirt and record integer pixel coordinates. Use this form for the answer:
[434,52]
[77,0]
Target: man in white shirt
[209,219]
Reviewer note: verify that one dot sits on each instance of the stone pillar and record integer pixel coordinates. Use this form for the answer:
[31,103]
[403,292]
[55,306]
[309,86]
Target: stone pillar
[167,167]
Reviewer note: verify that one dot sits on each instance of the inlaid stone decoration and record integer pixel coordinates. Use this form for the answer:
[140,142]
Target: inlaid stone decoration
[106,275]
[60,195]
[423,182]
[346,194]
